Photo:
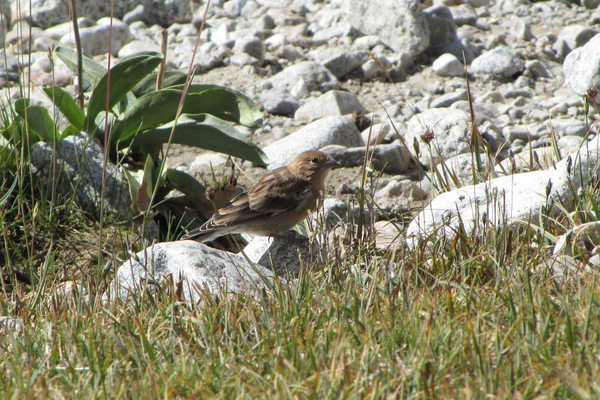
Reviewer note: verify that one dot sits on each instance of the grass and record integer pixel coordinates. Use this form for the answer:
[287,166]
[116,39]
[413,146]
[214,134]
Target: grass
[477,319]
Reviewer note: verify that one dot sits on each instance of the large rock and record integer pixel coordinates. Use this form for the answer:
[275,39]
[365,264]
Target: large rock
[332,103]
[95,40]
[302,78]
[505,201]
[442,28]
[500,62]
[329,130]
[449,131]
[399,23]
[193,266]
[79,163]
[47,13]
[582,67]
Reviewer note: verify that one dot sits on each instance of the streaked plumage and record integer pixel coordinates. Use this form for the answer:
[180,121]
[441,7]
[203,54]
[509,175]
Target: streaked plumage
[275,203]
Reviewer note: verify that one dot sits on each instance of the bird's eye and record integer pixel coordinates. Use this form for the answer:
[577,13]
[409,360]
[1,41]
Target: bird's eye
[314,160]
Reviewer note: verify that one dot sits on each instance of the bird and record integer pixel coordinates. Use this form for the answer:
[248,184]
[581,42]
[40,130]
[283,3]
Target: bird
[275,203]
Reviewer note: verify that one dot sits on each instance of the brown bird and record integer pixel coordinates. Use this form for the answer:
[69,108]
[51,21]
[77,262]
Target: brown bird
[275,203]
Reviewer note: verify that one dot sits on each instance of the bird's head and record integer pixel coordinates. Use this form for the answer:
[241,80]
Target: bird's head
[312,165]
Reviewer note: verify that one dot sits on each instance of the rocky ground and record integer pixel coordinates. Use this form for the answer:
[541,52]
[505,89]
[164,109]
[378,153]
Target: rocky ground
[323,70]
[390,60]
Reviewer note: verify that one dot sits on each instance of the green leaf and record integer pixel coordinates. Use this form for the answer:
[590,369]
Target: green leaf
[207,132]
[92,71]
[224,103]
[148,84]
[70,130]
[160,107]
[185,183]
[124,76]
[151,110]
[66,105]
[39,120]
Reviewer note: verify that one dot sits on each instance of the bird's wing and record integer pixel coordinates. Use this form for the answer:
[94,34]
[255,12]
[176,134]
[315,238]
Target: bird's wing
[278,192]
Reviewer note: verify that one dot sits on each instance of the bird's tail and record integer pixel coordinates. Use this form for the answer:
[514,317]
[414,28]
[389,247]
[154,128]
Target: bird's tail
[202,235]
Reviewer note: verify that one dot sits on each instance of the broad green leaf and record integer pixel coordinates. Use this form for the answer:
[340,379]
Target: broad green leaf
[151,110]
[70,130]
[224,103]
[185,183]
[148,84]
[66,105]
[160,107]
[123,77]
[92,71]
[39,119]
[207,132]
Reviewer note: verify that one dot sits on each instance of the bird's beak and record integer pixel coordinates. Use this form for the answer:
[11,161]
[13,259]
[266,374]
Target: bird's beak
[332,163]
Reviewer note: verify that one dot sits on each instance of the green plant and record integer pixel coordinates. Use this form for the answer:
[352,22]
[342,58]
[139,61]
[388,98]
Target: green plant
[139,119]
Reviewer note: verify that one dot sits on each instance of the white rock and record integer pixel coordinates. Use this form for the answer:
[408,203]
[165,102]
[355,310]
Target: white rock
[500,62]
[450,129]
[332,103]
[196,266]
[400,24]
[448,65]
[313,75]
[95,40]
[582,67]
[329,130]
[504,201]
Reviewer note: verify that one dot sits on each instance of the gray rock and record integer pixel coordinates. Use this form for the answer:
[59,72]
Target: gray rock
[289,52]
[14,324]
[582,241]
[462,46]
[194,266]
[391,158]
[252,46]
[536,69]
[483,111]
[136,46]
[464,14]
[329,130]
[312,75]
[285,255]
[448,99]
[135,15]
[525,133]
[279,102]
[505,201]
[564,127]
[402,191]
[47,13]
[342,62]
[400,24]
[576,35]
[582,67]
[332,103]
[79,162]
[448,65]
[442,28]
[450,131]
[377,133]
[95,40]
[500,62]
[571,144]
